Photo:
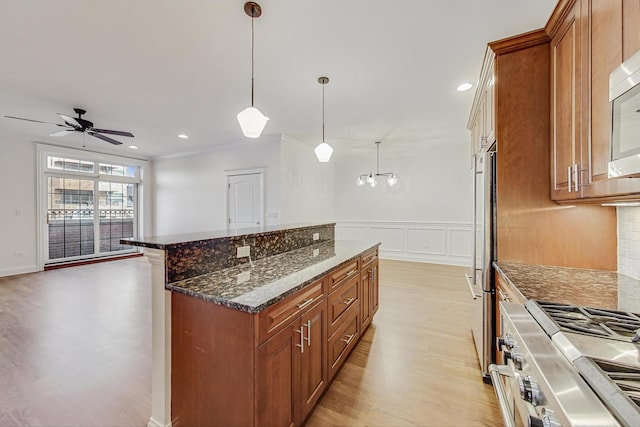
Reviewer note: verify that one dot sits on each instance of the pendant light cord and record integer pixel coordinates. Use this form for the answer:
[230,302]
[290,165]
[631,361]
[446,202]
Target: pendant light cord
[252,39]
[323,112]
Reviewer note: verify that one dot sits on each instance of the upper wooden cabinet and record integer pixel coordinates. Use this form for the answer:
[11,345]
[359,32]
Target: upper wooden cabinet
[589,39]
[482,119]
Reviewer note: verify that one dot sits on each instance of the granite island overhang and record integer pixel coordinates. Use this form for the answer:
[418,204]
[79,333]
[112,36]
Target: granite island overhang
[286,262]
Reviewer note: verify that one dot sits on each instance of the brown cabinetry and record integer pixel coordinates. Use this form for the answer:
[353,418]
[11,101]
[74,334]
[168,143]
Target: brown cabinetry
[232,368]
[369,288]
[290,370]
[589,39]
[566,117]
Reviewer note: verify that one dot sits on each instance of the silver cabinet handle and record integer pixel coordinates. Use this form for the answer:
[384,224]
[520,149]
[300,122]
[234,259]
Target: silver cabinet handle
[351,272]
[504,296]
[348,301]
[569,178]
[301,345]
[308,337]
[349,338]
[304,303]
[576,177]
[495,371]
[469,280]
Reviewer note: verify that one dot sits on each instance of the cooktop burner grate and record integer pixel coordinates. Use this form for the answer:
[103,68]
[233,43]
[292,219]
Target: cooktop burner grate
[601,323]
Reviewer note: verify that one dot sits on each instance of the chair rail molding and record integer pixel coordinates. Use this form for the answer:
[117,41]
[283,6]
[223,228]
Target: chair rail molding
[423,241]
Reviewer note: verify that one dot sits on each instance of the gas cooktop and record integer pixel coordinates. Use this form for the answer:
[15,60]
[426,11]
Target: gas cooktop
[611,324]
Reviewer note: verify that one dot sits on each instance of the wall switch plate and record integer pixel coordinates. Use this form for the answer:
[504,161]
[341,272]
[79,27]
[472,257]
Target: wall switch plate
[243,251]
[244,276]
[316,236]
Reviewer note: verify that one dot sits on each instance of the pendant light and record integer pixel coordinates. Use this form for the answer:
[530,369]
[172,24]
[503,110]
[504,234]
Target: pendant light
[323,150]
[372,178]
[251,120]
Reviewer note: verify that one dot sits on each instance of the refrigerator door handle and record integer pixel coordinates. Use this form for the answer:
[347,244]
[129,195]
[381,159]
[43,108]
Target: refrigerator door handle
[470,284]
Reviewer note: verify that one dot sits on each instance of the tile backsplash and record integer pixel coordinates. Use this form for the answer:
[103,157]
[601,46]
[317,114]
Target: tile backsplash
[629,241]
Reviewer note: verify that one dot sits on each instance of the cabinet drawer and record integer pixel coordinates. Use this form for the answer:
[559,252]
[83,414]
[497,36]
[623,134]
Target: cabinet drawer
[342,302]
[280,314]
[338,276]
[342,342]
[368,258]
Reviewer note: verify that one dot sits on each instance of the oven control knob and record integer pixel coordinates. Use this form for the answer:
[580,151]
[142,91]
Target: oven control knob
[529,390]
[547,419]
[516,357]
[507,341]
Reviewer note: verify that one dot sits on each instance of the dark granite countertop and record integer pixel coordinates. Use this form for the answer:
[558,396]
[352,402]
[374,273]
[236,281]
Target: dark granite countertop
[592,288]
[254,288]
[162,242]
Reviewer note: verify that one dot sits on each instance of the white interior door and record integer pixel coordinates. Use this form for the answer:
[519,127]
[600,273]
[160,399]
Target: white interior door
[245,201]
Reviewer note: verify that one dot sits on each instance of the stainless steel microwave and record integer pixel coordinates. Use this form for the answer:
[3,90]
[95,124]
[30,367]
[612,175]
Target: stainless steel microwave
[624,94]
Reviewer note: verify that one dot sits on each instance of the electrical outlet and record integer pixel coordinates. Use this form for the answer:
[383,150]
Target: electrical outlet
[18,254]
[19,212]
[243,251]
[316,236]
[316,252]
[244,276]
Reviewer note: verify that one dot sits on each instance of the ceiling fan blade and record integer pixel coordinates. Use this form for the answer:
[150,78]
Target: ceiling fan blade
[70,120]
[62,133]
[36,121]
[113,132]
[105,138]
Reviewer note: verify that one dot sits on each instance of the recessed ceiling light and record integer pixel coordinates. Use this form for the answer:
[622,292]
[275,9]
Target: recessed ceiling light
[133,147]
[464,86]
[183,136]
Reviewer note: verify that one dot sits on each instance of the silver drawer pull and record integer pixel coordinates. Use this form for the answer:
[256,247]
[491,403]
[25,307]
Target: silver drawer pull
[495,371]
[304,304]
[301,345]
[349,338]
[348,301]
[351,272]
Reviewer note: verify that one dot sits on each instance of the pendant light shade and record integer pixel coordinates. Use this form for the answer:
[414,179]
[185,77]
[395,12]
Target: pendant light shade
[323,150]
[251,120]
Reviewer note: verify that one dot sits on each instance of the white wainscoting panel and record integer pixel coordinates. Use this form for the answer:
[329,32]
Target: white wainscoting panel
[432,242]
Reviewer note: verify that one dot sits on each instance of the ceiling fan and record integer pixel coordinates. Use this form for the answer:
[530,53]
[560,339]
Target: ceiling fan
[78,124]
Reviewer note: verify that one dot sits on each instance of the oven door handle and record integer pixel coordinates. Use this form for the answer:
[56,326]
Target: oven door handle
[495,371]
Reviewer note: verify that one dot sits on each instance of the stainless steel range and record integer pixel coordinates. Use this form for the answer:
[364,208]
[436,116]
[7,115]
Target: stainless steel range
[567,365]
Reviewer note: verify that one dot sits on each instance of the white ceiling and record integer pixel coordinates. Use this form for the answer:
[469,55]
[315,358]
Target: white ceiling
[158,68]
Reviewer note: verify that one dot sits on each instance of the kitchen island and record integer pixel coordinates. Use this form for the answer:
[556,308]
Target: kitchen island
[254,340]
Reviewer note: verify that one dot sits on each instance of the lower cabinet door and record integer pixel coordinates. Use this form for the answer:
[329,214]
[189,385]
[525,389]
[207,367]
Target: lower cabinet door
[365,298]
[275,378]
[374,289]
[342,341]
[312,361]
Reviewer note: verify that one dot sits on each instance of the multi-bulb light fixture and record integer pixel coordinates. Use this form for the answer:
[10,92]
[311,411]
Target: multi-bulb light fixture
[372,178]
[251,120]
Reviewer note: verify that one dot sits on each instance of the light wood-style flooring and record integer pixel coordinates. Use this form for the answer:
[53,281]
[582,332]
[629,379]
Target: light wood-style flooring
[75,350]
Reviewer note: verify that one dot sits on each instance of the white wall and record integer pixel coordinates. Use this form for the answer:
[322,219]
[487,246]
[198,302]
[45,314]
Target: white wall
[307,187]
[18,210]
[629,241]
[190,190]
[426,216]
[18,248]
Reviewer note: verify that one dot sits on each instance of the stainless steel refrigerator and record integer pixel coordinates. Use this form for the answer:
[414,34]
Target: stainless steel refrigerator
[481,279]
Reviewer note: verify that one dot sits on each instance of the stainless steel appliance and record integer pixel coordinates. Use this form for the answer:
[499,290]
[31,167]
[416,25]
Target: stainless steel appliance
[624,94]
[568,365]
[480,281]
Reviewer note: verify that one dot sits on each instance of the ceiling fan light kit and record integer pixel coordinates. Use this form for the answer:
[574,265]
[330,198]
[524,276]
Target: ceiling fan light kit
[251,120]
[371,178]
[78,124]
[323,150]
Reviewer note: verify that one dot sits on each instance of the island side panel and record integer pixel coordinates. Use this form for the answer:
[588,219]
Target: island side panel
[212,362]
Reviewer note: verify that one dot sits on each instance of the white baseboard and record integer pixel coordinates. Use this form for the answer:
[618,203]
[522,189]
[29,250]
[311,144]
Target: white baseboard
[448,243]
[11,271]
